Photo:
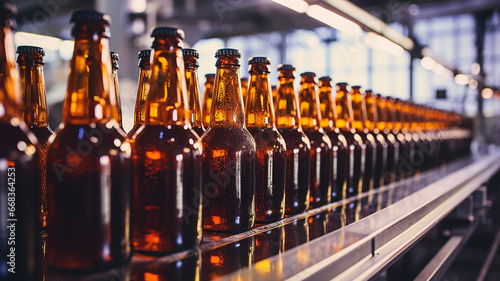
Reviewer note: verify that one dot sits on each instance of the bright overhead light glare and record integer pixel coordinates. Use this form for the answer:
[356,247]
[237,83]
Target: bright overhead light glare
[443,71]
[66,49]
[475,68]
[487,93]
[462,79]
[46,42]
[298,6]
[428,63]
[473,84]
[376,41]
[334,20]
[137,6]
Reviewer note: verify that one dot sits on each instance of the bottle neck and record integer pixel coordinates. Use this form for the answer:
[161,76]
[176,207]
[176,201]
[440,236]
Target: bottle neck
[10,92]
[207,101]
[359,111]
[227,102]
[165,102]
[35,111]
[382,115]
[327,107]
[372,117]
[142,91]
[391,116]
[90,96]
[309,107]
[344,110]
[193,90]
[118,116]
[259,106]
[287,114]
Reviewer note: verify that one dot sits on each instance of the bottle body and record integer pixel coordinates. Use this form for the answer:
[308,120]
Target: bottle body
[89,197]
[229,160]
[207,99]
[167,194]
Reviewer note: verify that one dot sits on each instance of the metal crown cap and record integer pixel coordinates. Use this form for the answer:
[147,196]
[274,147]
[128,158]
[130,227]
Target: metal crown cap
[30,49]
[210,75]
[90,15]
[143,54]
[325,78]
[308,74]
[114,55]
[167,31]
[227,52]
[191,52]
[259,60]
[286,67]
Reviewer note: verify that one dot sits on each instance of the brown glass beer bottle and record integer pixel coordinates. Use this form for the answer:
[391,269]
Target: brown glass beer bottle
[389,175]
[356,148]
[35,111]
[395,125]
[298,153]
[167,157]
[19,170]
[193,89]
[321,147]
[88,184]
[229,154]
[114,66]
[244,89]
[359,124]
[339,143]
[207,99]
[142,92]
[271,148]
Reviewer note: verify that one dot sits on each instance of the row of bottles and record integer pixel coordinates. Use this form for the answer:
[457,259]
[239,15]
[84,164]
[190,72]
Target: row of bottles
[180,171]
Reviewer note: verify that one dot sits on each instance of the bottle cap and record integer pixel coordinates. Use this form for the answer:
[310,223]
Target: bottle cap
[308,74]
[144,54]
[325,78]
[89,16]
[259,60]
[356,87]
[227,52]
[286,67]
[191,52]
[167,31]
[210,75]
[30,49]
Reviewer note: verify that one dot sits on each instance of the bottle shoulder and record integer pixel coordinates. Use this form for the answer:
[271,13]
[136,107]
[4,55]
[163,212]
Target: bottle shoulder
[169,136]
[231,138]
[267,138]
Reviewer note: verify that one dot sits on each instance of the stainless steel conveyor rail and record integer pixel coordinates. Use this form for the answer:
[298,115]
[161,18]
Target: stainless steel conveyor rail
[363,249]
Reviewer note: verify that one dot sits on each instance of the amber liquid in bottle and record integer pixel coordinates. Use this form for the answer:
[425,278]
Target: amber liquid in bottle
[321,147]
[244,89]
[88,184]
[207,99]
[405,168]
[389,175]
[114,66]
[271,148]
[19,169]
[394,126]
[339,143]
[167,158]
[356,148]
[35,111]
[142,92]
[193,89]
[229,154]
[359,124]
[298,147]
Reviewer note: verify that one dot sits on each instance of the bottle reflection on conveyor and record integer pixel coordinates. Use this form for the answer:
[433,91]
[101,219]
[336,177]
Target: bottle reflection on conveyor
[296,233]
[185,269]
[318,225]
[269,243]
[228,258]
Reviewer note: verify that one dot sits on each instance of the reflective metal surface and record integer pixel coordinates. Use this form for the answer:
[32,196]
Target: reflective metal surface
[356,237]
